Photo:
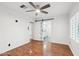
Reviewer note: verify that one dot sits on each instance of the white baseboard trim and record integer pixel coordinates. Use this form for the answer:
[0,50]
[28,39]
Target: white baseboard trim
[15,47]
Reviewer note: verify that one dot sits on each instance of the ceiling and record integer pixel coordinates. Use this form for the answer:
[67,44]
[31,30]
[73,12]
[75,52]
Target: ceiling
[56,9]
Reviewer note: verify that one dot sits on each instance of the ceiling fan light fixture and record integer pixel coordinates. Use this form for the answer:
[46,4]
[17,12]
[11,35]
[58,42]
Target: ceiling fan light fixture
[37,10]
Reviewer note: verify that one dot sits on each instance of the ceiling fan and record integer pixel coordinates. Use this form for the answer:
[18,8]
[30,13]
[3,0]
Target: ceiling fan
[37,8]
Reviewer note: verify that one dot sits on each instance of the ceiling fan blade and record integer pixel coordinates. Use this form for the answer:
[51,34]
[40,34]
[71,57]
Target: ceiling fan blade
[44,12]
[30,10]
[44,7]
[32,4]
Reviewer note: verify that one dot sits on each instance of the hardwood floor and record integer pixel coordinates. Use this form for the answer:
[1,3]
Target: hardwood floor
[35,48]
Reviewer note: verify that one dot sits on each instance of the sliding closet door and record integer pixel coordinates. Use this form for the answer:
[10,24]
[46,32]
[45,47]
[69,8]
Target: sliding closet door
[46,35]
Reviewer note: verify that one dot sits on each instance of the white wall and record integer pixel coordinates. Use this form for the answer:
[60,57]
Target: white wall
[11,32]
[59,30]
[74,44]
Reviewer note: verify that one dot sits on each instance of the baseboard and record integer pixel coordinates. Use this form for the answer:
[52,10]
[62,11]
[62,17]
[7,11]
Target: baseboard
[15,47]
[52,42]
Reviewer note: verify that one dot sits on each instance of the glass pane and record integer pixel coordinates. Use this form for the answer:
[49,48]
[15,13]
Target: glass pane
[75,27]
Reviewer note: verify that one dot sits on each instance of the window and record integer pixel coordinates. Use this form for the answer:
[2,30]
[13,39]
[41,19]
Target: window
[75,27]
